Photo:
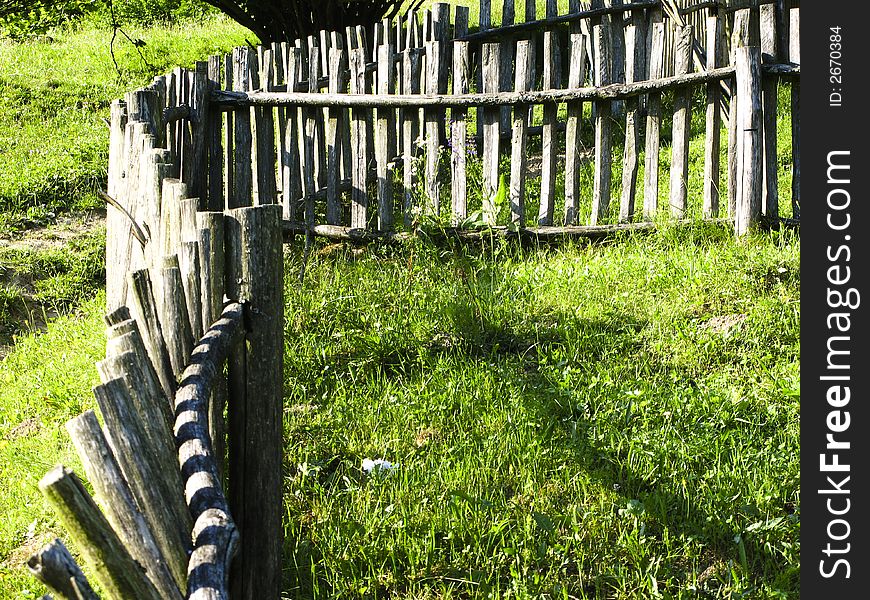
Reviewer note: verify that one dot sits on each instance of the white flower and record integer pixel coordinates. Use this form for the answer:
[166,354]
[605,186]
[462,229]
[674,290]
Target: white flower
[379,464]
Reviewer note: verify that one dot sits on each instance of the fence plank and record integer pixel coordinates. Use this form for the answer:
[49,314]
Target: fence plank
[265,127]
[635,52]
[713,121]
[573,142]
[410,125]
[119,506]
[308,140]
[794,55]
[291,174]
[491,134]
[385,142]
[243,136]
[548,138]
[334,126]
[748,212]
[433,126]
[188,263]
[458,133]
[506,68]
[55,567]
[255,279]
[146,471]
[215,195]
[229,136]
[653,125]
[682,125]
[522,83]
[602,121]
[359,143]
[144,311]
[769,54]
[115,570]
[740,34]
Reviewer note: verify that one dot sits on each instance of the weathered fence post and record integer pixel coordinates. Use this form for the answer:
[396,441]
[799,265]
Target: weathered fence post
[748,212]
[255,278]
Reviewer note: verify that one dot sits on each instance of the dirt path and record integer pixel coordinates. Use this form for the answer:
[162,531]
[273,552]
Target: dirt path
[19,309]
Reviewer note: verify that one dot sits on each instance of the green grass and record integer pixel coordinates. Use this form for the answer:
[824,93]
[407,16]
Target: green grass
[54,108]
[611,421]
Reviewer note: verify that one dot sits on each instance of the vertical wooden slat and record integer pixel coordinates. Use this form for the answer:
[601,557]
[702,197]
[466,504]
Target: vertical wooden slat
[255,279]
[794,55]
[635,52]
[506,57]
[265,127]
[769,84]
[434,122]
[522,83]
[484,16]
[359,145]
[617,57]
[308,138]
[410,124]
[748,212]
[144,310]
[491,134]
[291,174]
[602,117]
[458,134]
[681,129]
[573,143]
[548,137]
[653,125]
[740,34]
[385,138]
[172,311]
[715,22]
[229,133]
[334,126]
[315,59]
[215,196]
[243,138]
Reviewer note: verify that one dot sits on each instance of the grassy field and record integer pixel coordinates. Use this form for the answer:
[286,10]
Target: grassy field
[612,420]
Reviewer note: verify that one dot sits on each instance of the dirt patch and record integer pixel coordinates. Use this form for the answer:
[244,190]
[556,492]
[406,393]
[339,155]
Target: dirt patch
[58,234]
[724,323]
[26,428]
[17,558]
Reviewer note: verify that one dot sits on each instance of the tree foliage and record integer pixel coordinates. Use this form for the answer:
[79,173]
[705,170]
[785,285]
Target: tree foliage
[287,20]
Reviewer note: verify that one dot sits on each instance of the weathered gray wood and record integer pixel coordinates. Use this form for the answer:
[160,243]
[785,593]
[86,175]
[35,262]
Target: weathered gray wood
[548,140]
[681,128]
[115,219]
[601,185]
[55,567]
[145,312]
[119,506]
[506,59]
[739,37]
[635,52]
[385,138]
[229,132]
[214,533]
[255,278]
[411,125]
[653,126]
[573,143]
[172,311]
[149,407]
[794,55]
[517,188]
[334,127]
[748,213]
[485,100]
[264,125]
[291,173]
[243,186]
[617,46]
[491,137]
[769,54]
[458,133]
[215,198]
[156,488]
[199,130]
[359,143]
[713,123]
[173,191]
[114,569]
[433,126]
[188,263]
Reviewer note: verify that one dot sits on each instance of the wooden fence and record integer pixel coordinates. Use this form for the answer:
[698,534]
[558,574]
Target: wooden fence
[356,134]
